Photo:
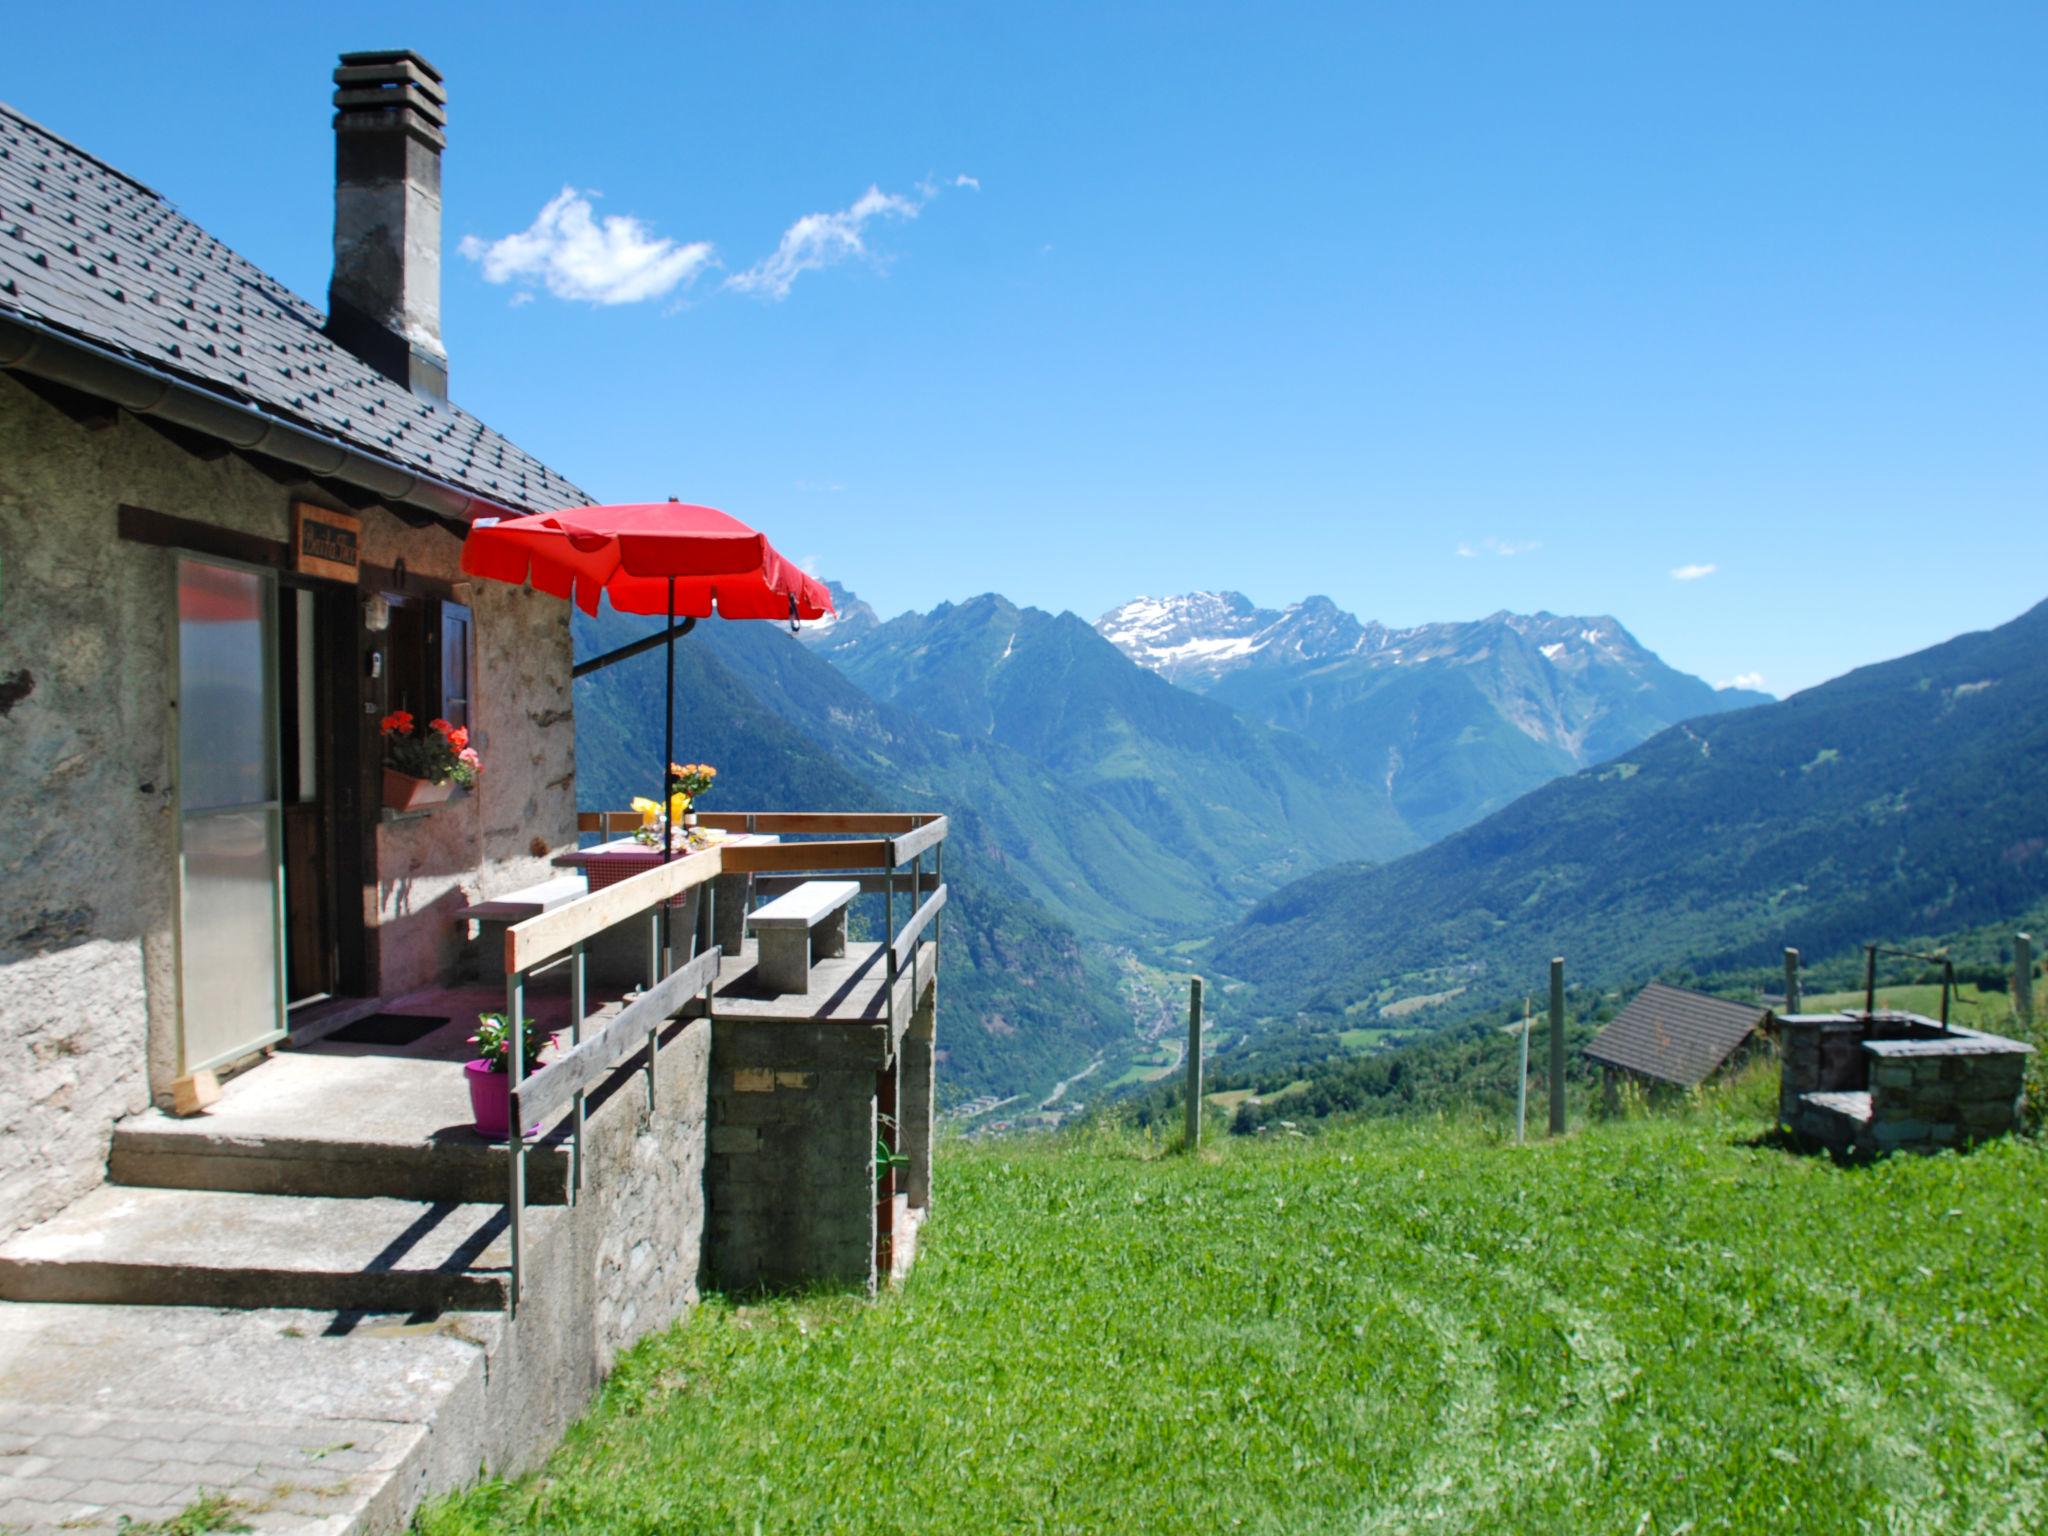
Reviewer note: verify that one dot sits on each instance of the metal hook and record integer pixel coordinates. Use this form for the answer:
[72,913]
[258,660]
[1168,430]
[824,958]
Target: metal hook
[794,626]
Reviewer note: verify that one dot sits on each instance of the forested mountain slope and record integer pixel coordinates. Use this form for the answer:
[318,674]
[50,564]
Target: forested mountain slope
[1906,797]
[1027,1001]
[1194,780]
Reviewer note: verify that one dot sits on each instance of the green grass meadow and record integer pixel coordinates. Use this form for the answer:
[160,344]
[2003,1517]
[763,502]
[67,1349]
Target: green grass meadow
[1655,1325]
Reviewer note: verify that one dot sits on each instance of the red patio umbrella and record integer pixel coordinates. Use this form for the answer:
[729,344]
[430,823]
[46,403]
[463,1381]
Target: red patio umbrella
[656,557]
[664,557]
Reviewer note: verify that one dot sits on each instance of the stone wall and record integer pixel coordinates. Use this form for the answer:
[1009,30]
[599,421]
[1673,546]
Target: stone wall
[794,1116]
[523,810]
[619,1264]
[1859,1085]
[1942,1093]
[88,1020]
[790,1182]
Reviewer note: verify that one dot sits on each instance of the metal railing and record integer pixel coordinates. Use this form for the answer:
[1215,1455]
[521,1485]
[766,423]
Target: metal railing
[564,1082]
[881,865]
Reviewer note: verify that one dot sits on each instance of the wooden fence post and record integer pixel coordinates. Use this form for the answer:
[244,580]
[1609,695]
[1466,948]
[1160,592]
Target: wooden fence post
[1194,1063]
[2023,981]
[1791,980]
[1557,1046]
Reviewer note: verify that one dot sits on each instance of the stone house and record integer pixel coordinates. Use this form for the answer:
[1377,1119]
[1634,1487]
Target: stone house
[231,530]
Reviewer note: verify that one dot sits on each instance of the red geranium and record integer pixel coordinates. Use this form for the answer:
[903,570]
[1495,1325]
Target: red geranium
[440,754]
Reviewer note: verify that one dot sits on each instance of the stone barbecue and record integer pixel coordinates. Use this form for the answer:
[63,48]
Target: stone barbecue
[1857,1084]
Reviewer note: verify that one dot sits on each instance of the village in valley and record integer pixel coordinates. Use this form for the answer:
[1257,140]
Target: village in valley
[668,979]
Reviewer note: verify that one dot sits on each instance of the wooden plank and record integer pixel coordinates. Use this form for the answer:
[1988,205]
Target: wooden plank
[815,821]
[607,822]
[804,906]
[906,941]
[766,886]
[542,938]
[548,1092]
[913,983]
[908,847]
[139,525]
[780,858]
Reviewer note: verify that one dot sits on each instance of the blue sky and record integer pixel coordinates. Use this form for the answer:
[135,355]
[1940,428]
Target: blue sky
[1434,309]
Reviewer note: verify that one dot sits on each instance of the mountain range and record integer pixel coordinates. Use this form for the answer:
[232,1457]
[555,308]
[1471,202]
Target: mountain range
[1106,818]
[1453,720]
[1905,798]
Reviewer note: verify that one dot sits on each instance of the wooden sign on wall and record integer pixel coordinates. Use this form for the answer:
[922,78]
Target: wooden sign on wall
[326,543]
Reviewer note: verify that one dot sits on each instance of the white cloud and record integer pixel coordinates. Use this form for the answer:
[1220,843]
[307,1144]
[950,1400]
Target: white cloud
[575,255]
[1506,549]
[820,240]
[1750,680]
[1692,572]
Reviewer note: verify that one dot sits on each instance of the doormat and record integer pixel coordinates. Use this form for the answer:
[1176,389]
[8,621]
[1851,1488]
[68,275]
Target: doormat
[388,1029]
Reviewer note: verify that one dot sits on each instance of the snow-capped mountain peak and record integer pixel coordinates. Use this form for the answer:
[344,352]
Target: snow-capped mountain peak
[1199,636]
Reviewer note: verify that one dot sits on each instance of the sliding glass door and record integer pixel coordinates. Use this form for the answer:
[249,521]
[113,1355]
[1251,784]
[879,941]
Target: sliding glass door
[230,890]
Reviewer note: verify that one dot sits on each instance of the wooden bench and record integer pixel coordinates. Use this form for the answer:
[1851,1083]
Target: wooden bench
[809,923]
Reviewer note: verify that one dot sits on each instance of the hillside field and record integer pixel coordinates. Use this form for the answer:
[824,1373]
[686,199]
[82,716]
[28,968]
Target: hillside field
[1653,1326]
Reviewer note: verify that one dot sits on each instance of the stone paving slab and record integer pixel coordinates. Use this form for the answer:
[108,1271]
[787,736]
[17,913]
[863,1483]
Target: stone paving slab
[88,1471]
[308,1421]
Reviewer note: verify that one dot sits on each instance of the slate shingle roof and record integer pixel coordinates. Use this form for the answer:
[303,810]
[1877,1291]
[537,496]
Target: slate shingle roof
[1675,1035]
[88,251]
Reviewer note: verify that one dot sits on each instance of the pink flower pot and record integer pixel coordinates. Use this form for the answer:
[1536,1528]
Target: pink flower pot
[490,1101]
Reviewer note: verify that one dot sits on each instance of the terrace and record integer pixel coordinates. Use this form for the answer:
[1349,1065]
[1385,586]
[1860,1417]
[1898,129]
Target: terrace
[344,1174]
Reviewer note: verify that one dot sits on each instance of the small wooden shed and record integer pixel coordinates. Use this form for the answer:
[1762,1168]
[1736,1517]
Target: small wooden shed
[1677,1037]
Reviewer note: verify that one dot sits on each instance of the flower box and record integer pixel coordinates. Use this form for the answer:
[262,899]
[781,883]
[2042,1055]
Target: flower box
[403,792]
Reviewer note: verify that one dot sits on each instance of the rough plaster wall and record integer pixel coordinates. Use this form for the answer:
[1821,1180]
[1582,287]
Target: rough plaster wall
[524,809]
[88,1023]
[86,871]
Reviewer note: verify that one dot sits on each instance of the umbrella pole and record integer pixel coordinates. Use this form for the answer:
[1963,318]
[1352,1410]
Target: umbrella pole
[668,755]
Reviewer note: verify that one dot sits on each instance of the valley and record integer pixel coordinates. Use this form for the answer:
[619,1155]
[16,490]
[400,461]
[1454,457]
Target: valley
[1124,792]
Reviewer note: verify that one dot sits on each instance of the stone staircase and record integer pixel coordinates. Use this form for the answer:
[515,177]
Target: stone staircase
[332,1223]
[125,1246]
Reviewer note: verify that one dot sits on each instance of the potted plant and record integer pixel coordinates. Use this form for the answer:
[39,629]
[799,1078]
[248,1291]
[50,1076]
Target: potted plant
[424,767]
[490,1073]
[686,781]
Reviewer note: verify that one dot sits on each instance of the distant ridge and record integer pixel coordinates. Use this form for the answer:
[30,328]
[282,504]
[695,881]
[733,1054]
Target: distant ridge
[1455,719]
[1905,798]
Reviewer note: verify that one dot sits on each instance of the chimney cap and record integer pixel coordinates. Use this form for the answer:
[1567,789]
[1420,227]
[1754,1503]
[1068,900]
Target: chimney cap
[391,89]
[387,56]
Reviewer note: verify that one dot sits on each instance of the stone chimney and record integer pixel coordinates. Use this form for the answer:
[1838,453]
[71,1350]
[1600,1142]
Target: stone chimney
[384,303]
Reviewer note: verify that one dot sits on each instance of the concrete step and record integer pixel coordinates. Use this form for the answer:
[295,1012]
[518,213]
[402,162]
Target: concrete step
[184,1247]
[156,1151]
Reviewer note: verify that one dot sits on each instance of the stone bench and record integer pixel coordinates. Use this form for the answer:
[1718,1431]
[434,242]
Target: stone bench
[518,906]
[513,907]
[806,924]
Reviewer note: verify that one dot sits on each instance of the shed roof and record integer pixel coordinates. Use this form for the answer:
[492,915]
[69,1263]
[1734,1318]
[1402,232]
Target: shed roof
[1675,1035]
[90,252]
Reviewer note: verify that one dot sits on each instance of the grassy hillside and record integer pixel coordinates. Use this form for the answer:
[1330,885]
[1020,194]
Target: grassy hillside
[1908,797]
[1649,1327]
